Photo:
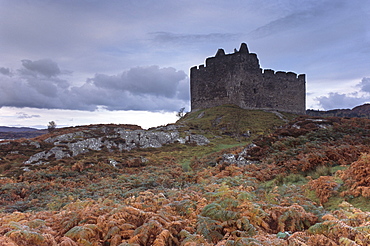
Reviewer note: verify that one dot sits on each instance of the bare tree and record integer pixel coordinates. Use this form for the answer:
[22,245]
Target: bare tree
[181,113]
[51,126]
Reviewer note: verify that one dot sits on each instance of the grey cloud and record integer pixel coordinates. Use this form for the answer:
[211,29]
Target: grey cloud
[5,71]
[338,100]
[365,85]
[45,67]
[161,37]
[22,115]
[143,80]
[140,88]
[342,100]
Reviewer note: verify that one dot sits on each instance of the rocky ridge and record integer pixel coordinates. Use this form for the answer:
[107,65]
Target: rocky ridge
[79,142]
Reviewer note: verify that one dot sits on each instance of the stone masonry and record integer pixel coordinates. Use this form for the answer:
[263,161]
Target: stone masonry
[238,79]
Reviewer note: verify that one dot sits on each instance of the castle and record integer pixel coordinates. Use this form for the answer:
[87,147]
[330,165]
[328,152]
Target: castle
[238,79]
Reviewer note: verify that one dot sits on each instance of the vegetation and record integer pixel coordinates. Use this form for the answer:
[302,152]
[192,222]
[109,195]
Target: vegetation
[259,182]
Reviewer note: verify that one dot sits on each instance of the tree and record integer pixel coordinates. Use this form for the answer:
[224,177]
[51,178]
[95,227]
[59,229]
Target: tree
[181,113]
[51,126]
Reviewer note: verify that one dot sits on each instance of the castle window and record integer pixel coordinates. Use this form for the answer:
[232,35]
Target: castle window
[254,90]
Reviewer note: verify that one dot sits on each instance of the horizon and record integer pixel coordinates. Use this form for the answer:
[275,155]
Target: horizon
[85,62]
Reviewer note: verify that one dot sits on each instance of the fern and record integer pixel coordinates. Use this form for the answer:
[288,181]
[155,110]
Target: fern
[5,241]
[292,218]
[22,234]
[36,223]
[244,241]
[209,228]
[66,241]
[129,244]
[216,212]
[187,238]
[84,232]
[111,232]
[162,238]
[319,228]
[244,225]
[347,242]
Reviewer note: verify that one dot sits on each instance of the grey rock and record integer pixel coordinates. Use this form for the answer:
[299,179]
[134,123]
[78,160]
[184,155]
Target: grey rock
[59,153]
[198,139]
[73,144]
[113,162]
[36,157]
[36,144]
[85,145]
[66,137]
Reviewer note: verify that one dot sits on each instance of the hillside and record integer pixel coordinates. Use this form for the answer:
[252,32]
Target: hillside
[361,111]
[19,132]
[220,176]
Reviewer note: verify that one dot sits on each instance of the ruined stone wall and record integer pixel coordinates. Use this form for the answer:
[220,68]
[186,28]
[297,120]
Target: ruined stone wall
[238,79]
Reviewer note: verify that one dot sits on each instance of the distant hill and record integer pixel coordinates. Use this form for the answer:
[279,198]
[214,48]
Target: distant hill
[17,129]
[7,132]
[362,111]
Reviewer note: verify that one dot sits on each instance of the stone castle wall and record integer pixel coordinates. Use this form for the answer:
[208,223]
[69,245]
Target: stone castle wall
[238,79]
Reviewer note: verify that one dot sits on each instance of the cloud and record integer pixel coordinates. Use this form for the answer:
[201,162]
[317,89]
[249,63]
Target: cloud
[22,115]
[40,84]
[143,80]
[5,71]
[45,67]
[365,85]
[165,37]
[337,100]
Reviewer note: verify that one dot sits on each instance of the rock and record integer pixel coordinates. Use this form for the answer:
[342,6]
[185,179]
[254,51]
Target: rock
[59,153]
[112,162]
[283,235]
[84,141]
[36,157]
[198,139]
[36,144]
[85,146]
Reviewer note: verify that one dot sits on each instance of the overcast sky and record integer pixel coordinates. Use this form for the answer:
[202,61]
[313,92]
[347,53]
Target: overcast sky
[127,61]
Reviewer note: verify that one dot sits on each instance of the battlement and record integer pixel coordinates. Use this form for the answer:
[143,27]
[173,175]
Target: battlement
[237,78]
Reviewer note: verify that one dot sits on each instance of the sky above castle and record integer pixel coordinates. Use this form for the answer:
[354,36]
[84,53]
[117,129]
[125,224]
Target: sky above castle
[81,62]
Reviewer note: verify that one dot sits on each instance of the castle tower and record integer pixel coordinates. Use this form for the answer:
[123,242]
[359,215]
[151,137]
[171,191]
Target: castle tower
[238,79]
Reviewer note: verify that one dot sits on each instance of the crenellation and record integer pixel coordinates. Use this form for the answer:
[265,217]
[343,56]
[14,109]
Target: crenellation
[269,72]
[220,52]
[237,78]
[291,75]
[302,77]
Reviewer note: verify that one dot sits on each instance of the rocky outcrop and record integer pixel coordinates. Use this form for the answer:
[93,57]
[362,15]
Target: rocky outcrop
[240,159]
[73,144]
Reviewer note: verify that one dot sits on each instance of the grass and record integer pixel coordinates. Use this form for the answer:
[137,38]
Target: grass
[232,120]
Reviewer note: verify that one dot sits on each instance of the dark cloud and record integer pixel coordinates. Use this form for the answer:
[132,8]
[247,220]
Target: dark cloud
[5,71]
[140,88]
[143,80]
[350,100]
[44,67]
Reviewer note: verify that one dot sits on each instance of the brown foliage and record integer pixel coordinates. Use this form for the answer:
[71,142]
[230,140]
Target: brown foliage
[290,218]
[324,187]
[357,177]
